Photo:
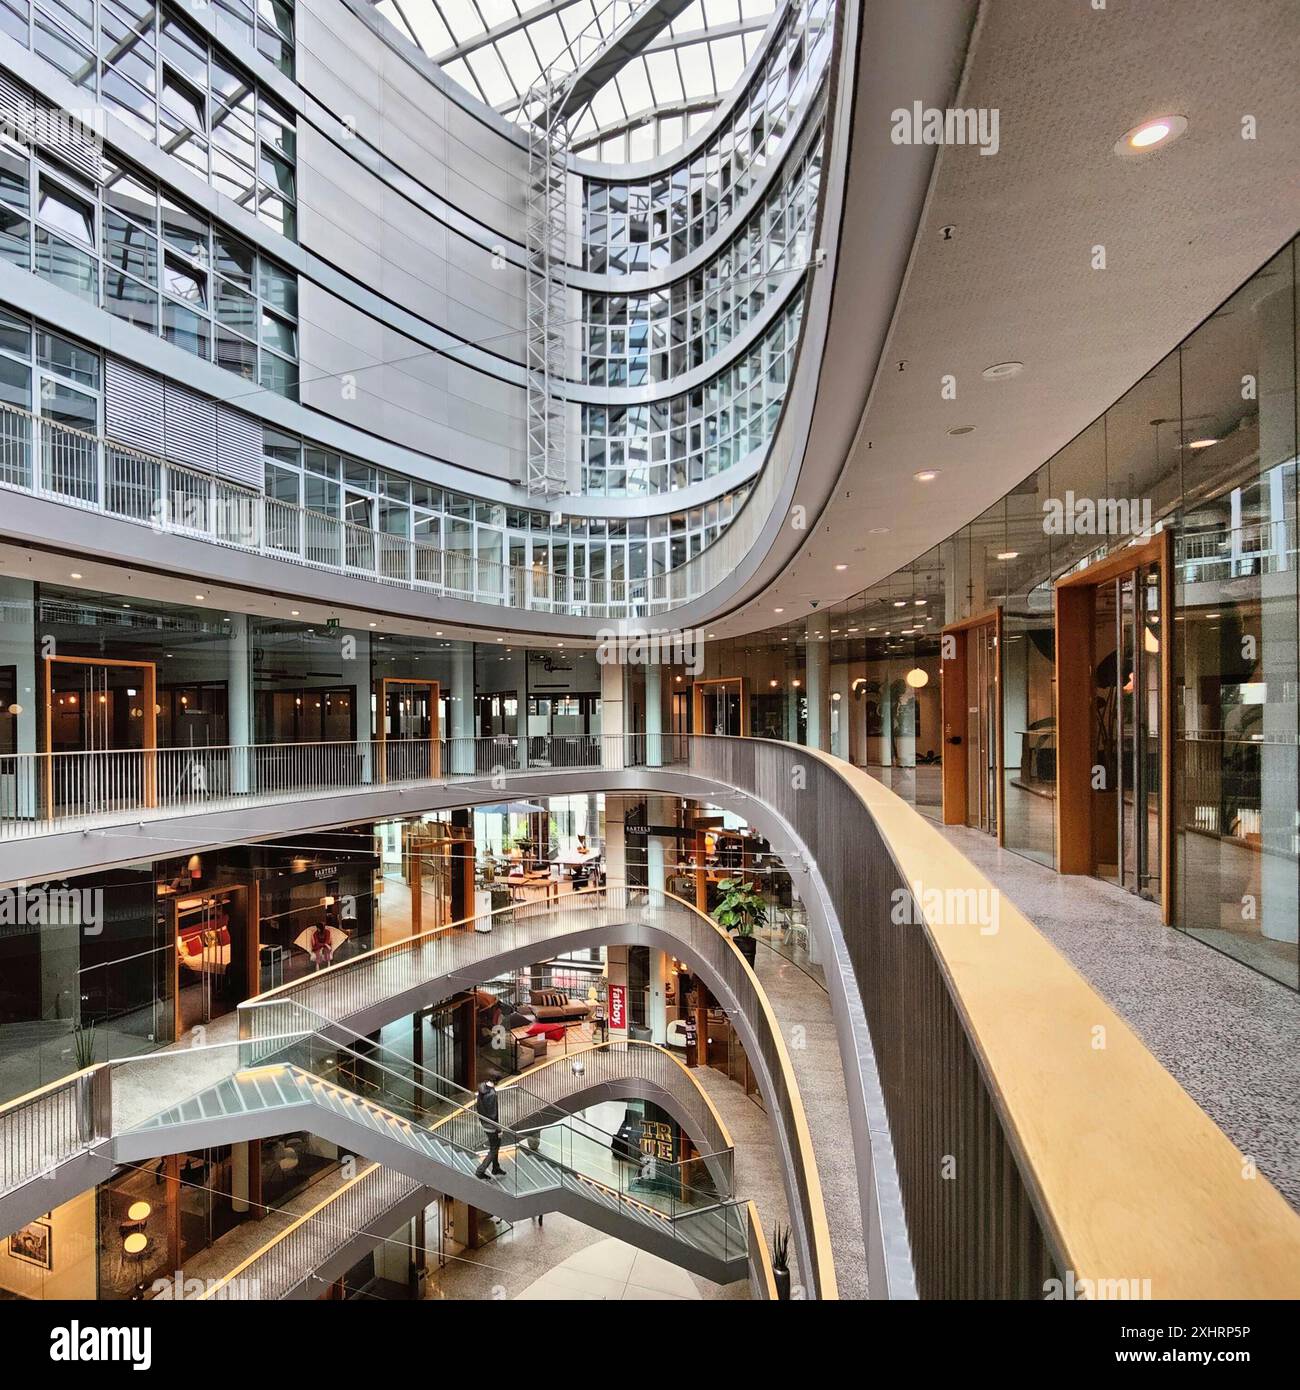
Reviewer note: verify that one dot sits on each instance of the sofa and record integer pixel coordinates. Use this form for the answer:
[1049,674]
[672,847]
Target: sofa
[555,1006]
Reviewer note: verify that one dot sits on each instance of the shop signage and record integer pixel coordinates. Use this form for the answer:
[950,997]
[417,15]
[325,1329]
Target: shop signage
[618,1006]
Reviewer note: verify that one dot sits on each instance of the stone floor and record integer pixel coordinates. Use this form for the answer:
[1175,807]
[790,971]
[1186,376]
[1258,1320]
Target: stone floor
[803,1010]
[560,1258]
[1229,1035]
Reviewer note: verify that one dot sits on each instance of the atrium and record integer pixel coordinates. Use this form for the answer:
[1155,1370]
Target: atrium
[650,652]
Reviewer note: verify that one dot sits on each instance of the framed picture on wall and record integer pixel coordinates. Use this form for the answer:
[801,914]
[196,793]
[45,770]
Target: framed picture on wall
[34,1244]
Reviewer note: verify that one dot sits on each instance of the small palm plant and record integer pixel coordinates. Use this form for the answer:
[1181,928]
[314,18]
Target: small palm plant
[83,1045]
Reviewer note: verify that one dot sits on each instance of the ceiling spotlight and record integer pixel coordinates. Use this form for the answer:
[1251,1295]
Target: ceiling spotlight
[1151,135]
[926,475]
[1007,554]
[1194,444]
[1000,371]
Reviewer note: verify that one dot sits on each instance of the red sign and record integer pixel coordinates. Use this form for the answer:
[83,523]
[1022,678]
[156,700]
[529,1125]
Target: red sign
[618,1006]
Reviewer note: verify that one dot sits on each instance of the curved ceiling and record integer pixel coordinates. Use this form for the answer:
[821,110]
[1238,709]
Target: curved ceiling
[685,59]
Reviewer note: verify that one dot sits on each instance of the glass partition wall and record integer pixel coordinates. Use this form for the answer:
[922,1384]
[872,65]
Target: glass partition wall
[1190,712]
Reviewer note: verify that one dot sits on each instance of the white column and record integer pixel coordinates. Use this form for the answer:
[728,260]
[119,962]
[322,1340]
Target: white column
[360,682]
[654,716]
[239,704]
[819,669]
[18,649]
[612,714]
[462,707]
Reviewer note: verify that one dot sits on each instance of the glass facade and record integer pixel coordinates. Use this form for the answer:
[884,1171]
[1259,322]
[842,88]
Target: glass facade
[1204,448]
[128,245]
[638,338]
[644,449]
[172,86]
[650,224]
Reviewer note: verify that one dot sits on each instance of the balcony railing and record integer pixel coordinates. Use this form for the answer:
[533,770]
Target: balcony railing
[47,459]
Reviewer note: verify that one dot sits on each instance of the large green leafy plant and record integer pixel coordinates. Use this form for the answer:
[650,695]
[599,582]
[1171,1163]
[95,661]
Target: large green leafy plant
[741,909]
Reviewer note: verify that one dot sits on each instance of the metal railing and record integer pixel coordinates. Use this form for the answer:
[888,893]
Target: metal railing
[45,1128]
[292,1256]
[48,459]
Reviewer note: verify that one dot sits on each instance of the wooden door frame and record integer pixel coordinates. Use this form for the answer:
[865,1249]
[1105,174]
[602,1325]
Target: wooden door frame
[249,897]
[955,722]
[697,701]
[150,698]
[435,722]
[1075,606]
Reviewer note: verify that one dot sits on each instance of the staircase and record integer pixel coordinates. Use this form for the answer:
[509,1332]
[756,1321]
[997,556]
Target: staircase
[385,1108]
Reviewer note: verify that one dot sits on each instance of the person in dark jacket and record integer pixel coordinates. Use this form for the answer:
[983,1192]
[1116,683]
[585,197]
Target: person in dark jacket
[487,1107]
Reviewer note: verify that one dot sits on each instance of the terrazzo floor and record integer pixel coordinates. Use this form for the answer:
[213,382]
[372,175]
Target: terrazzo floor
[1229,1035]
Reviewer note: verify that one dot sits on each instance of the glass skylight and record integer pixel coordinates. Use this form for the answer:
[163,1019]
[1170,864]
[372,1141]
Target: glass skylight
[496,50]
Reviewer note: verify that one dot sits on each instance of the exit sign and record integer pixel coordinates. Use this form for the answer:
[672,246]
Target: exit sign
[331,622]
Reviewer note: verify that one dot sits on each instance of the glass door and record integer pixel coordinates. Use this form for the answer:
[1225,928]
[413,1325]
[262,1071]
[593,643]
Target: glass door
[100,720]
[1128,731]
[409,728]
[981,729]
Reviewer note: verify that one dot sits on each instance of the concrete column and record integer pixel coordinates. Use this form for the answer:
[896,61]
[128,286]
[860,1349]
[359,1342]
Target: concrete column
[654,715]
[819,674]
[239,702]
[18,649]
[613,712]
[462,707]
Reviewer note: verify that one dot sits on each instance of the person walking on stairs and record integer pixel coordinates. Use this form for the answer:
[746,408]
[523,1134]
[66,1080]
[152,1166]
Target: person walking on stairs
[487,1107]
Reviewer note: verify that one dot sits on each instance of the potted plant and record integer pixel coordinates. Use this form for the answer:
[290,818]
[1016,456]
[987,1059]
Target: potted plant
[781,1261]
[83,1045]
[742,911]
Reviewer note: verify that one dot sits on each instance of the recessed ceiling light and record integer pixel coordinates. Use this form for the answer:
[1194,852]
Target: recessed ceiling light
[926,475]
[878,531]
[1150,135]
[841,567]
[293,612]
[778,610]
[74,575]
[900,603]
[1000,371]
[1007,554]
[373,624]
[199,597]
[919,602]
[962,429]
[1195,444]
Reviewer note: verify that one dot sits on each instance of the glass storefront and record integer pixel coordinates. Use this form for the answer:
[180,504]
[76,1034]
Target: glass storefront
[1191,718]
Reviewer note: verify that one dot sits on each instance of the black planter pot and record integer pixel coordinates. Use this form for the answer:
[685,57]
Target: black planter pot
[782,1277]
[747,946]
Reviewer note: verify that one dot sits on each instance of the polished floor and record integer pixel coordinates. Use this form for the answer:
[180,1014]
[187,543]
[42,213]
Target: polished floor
[1228,1034]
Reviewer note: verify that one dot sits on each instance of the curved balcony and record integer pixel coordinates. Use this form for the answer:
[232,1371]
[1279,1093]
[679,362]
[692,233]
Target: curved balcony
[924,984]
[120,1110]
